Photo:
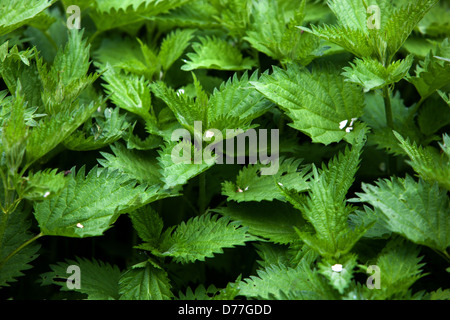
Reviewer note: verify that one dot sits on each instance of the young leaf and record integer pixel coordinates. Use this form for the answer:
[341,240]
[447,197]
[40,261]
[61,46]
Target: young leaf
[371,74]
[427,162]
[433,73]
[215,53]
[251,186]
[173,47]
[129,92]
[202,237]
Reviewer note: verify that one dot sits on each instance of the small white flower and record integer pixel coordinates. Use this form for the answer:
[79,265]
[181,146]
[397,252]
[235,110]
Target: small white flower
[46,194]
[246,189]
[180,92]
[280,184]
[348,129]
[79,225]
[337,267]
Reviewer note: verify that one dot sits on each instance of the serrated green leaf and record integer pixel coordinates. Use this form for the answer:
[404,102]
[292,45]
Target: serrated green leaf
[416,210]
[371,74]
[318,102]
[432,73]
[16,13]
[173,47]
[215,53]
[251,186]
[43,184]
[271,220]
[138,165]
[201,237]
[145,283]
[339,274]
[106,130]
[14,232]
[90,204]
[148,224]
[277,281]
[129,92]
[98,279]
[427,162]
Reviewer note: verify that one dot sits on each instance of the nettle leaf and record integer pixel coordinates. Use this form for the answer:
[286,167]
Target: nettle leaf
[17,69]
[16,13]
[216,53]
[273,31]
[106,130]
[138,165]
[326,208]
[90,204]
[361,31]
[233,105]
[68,76]
[381,135]
[14,231]
[416,210]
[52,130]
[371,74]
[176,160]
[279,281]
[399,268]
[271,220]
[123,54]
[173,46]
[237,99]
[117,13]
[43,184]
[340,274]
[145,283]
[320,103]
[129,92]
[251,186]
[427,161]
[201,237]
[98,280]
[433,73]
[148,224]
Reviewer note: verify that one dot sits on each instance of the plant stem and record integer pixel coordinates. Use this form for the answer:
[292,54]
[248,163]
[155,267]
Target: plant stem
[388,107]
[202,193]
[23,245]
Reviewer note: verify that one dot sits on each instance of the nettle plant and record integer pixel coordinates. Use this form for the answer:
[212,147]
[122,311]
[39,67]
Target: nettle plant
[94,205]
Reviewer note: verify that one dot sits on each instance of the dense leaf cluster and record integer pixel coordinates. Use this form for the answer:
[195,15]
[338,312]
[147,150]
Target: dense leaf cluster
[357,89]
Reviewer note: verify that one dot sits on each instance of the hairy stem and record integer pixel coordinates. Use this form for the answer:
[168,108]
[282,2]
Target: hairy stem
[23,245]
[202,193]
[388,107]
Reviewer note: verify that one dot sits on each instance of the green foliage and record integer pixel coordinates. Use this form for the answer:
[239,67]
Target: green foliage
[119,141]
[317,101]
[215,53]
